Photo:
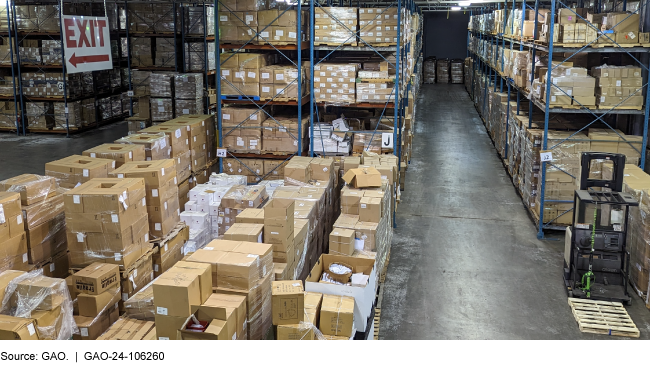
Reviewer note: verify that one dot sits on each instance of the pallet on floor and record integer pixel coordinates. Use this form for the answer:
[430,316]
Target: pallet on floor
[605,318]
[376,321]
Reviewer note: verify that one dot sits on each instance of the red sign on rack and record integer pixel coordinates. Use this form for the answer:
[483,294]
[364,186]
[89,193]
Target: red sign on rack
[86,43]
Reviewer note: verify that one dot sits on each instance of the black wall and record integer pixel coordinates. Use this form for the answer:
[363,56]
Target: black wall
[445,38]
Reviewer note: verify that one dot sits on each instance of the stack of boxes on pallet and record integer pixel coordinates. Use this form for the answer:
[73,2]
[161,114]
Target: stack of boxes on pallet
[442,70]
[335,26]
[199,22]
[335,82]
[97,292]
[376,83]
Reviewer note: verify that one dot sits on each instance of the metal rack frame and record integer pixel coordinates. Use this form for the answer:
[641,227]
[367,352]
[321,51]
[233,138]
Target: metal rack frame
[598,114]
[299,47]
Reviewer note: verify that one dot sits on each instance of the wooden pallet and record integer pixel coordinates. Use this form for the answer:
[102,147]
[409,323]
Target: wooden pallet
[382,276]
[600,317]
[278,99]
[376,321]
[622,107]
[379,44]
[335,44]
[376,80]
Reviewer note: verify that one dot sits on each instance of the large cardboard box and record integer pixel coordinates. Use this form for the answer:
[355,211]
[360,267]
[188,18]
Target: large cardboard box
[204,273]
[234,303]
[175,292]
[251,215]
[96,278]
[120,153]
[32,188]
[337,316]
[304,330]
[13,328]
[76,169]
[364,296]
[370,209]
[245,232]
[90,328]
[41,292]
[288,302]
[92,305]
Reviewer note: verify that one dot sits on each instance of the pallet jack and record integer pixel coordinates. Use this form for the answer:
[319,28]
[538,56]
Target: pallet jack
[596,264]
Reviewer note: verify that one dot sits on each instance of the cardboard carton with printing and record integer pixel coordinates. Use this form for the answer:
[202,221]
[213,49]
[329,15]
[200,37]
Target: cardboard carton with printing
[305,329]
[96,278]
[288,302]
[337,316]
[175,292]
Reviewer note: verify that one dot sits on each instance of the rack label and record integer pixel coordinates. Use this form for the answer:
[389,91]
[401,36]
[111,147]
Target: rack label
[86,43]
[546,156]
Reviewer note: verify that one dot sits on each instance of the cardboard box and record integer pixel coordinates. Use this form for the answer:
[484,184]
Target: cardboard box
[288,302]
[120,153]
[48,323]
[363,295]
[216,330]
[367,177]
[96,278]
[174,294]
[76,169]
[41,292]
[167,327]
[13,328]
[90,328]
[370,209]
[251,215]
[304,330]
[234,303]
[342,242]
[130,330]
[32,188]
[337,316]
[245,232]
[204,273]
[92,305]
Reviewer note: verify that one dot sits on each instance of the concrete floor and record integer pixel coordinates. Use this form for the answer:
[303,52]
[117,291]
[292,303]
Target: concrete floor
[28,154]
[465,261]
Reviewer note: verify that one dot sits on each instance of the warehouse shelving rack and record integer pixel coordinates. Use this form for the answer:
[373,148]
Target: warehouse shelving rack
[285,52]
[640,124]
[20,67]
[202,39]
[129,35]
[8,38]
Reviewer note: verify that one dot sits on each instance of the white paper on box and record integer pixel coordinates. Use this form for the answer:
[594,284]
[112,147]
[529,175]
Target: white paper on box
[161,310]
[85,172]
[84,332]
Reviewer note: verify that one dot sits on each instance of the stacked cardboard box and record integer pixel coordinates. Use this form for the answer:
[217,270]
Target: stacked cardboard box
[238,198]
[281,133]
[120,153]
[175,292]
[306,329]
[335,82]
[242,128]
[140,306]
[375,92]
[74,170]
[337,316]
[151,18]
[442,70]
[335,26]
[43,303]
[278,26]
[12,233]
[378,25]
[156,145]
[97,290]
[170,249]
[243,269]
[42,215]
[456,71]
[180,147]
[279,230]
[119,235]
[188,94]
[618,86]
[197,55]
[41,18]
[625,27]
[238,26]
[280,82]
[161,192]
[241,73]
[202,138]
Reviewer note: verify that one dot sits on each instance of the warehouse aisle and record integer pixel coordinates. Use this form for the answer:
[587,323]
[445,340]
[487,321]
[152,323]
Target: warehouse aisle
[28,155]
[465,261]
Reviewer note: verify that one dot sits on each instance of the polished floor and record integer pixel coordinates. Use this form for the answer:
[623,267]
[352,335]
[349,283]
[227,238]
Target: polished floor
[465,261]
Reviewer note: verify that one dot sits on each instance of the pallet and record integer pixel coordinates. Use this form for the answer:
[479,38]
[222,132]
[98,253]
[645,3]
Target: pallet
[605,318]
[622,107]
[382,275]
[380,44]
[376,321]
[335,44]
[574,107]
[376,80]
[240,97]
[278,99]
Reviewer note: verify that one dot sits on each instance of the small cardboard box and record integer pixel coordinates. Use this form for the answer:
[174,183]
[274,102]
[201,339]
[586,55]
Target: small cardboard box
[350,201]
[92,305]
[364,296]
[251,215]
[337,315]
[96,278]
[304,330]
[13,328]
[175,292]
[370,209]
[202,270]
[41,291]
[288,302]
[167,327]
[237,304]
[279,213]
[342,242]
[216,330]
[367,177]
[90,328]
